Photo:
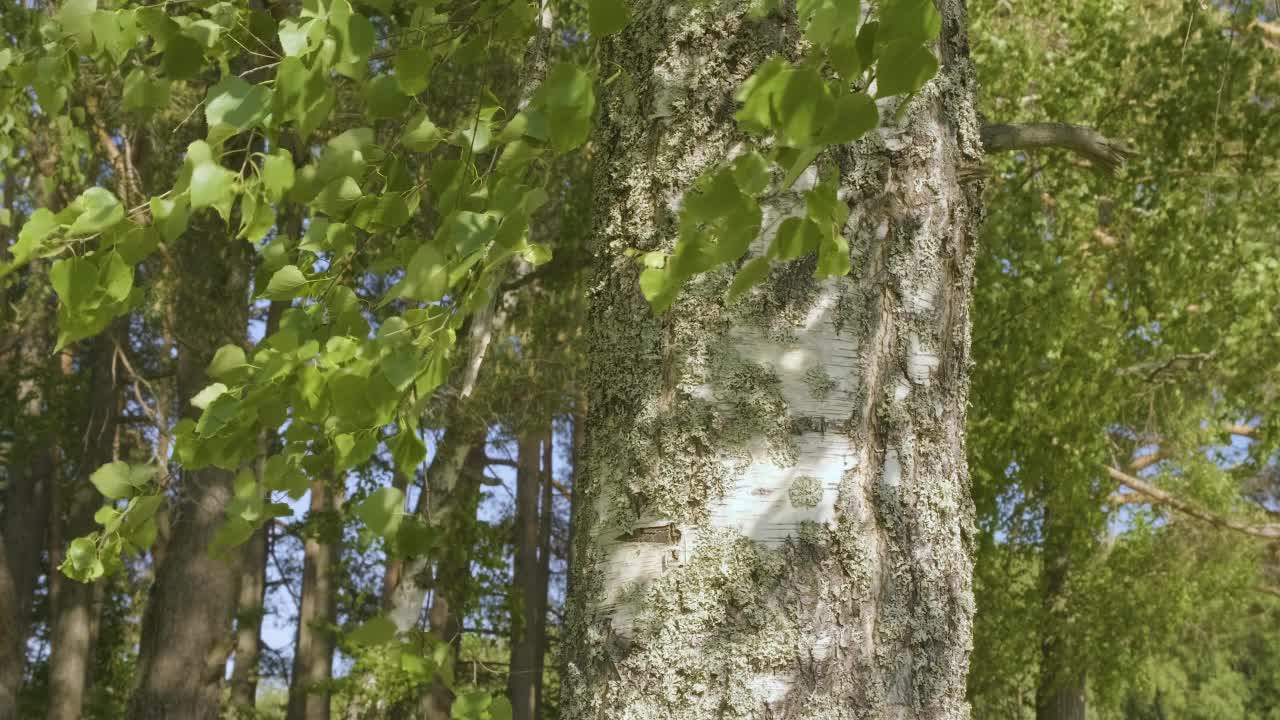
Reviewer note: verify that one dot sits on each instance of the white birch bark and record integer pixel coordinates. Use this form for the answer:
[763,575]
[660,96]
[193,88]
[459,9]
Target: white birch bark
[775,515]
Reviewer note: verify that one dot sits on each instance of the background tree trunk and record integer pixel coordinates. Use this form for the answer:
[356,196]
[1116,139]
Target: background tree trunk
[524,582]
[249,611]
[1060,692]
[547,512]
[453,572]
[775,517]
[72,606]
[30,472]
[313,651]
[186,630]
[250,606]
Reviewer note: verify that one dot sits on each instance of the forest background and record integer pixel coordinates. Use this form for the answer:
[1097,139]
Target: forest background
[1124,389]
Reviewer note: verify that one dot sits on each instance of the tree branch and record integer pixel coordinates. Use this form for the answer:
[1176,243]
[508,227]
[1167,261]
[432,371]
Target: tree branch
[1104,153]
[1155,494]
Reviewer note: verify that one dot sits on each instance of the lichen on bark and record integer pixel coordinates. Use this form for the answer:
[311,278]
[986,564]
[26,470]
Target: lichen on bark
[748,546]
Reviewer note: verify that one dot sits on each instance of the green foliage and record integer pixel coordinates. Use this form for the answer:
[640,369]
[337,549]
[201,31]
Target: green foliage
[798,110]
[1094,298]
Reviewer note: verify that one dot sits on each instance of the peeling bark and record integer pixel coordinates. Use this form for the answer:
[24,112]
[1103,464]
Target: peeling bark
[775,518]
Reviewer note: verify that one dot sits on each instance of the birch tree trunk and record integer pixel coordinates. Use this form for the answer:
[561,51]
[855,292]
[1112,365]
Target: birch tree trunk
[775,519]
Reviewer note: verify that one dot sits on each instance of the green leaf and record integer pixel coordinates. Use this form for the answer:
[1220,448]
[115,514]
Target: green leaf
[413,67]
[567,101]
[144,92]
[99,210]
[659,287]
[400,368]
[295,37]
[233,533]
[751,171]
[536,254]
[221,412]
[908,21]
[116,277]
[376,631]
[468,706]
[75,280]
[338,196]
[853,115]
[796,237]
[75,17]
[256,218]
[355,36]
[302,94]
[82,562]
[383,97]
[500,709]
[279,475]
[235,104]
[35,231]
[426,277]
[183,58]
[748,276]
[865,45]
[382,511]
[211,184]
[211,392]
[829,21]
[833,256]
[277,174]
[903,68]
[606,17]
[170,216]
[113,480]
[286,283]
[228,364]
[408,450]
[794,103]
[421,135]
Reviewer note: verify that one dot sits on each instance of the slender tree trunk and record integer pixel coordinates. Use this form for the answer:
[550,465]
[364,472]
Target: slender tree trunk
[453,574]
[547,512]
[521,687]
[1060,692]
[253,576]
[186,630]
[775,519]
[313,650]
[394,565]
[73,617]
[249,612]
[461,437]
